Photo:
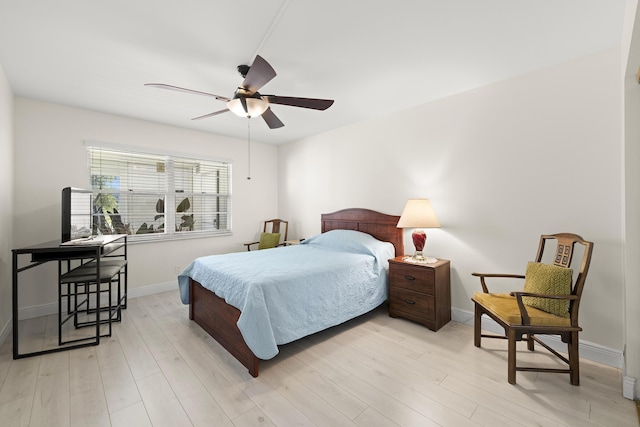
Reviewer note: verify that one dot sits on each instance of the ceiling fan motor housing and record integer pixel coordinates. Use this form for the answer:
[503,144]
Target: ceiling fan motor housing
[243,70]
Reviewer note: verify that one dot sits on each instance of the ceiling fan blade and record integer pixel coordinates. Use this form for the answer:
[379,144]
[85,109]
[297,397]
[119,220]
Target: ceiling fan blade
[181,89]
[259,75]
[215,113]
[313,103]
[271,119]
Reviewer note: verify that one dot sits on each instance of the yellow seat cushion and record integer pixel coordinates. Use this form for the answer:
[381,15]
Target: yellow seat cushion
[506,308]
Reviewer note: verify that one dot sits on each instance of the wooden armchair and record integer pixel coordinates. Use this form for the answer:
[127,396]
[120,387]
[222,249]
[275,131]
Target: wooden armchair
[542,308]
[273,237]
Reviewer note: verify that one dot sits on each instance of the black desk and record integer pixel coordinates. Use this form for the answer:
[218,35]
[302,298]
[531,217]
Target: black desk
[64,253]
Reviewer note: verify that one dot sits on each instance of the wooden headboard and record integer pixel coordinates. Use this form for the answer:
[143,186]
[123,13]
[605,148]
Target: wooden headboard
[381,226]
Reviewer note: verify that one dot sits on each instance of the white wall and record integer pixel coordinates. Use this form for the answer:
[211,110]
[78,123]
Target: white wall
[50,155]
[6,194]
[502,164]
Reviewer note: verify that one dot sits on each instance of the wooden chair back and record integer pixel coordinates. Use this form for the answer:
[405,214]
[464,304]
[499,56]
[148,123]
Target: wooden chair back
[563,256]
[274,225]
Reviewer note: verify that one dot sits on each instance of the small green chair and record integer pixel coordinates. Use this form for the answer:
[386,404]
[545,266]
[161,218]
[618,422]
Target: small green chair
[271,239]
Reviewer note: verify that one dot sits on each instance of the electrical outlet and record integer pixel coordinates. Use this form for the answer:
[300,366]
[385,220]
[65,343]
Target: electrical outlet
[177,269]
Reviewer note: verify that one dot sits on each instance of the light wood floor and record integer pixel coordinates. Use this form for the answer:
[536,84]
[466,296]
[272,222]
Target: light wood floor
[161,369]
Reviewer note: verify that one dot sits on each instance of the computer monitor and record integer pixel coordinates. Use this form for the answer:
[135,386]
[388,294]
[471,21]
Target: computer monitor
[76,213]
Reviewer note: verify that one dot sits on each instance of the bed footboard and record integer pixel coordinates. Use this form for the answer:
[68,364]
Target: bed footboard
[219,319]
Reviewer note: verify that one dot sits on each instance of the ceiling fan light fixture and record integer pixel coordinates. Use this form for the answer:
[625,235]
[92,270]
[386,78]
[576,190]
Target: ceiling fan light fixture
[255,107]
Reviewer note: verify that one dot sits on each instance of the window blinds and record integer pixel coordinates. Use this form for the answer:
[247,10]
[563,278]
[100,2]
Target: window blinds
[145,194]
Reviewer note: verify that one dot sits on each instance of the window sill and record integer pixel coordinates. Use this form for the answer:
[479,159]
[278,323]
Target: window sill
[158,237]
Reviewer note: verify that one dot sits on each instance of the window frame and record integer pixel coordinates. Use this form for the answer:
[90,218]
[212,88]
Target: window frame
[170,195]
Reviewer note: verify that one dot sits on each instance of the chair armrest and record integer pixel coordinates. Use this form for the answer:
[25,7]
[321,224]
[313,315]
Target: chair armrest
[482,276]
[248,245]
[531,294]
[516,276]
[523,311]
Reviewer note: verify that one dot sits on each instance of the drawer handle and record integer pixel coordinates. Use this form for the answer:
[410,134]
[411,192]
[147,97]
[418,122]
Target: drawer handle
[408,301]
[409,277]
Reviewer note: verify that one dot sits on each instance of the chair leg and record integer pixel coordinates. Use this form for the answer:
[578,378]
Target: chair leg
[109,303]
[511,356]
[126,293]
[477,326]
[574,359]
[530,342]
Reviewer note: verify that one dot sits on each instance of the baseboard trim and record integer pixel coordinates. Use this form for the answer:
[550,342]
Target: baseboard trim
[52,308]
[629,387]
[588,350]
[158,288]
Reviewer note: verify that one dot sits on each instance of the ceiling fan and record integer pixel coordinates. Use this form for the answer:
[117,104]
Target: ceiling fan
[248,102]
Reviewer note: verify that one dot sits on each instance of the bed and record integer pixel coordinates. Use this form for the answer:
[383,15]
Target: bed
[246,304]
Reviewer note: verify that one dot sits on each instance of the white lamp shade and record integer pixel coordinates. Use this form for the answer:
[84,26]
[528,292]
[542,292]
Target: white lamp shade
[418,213]
[255,107]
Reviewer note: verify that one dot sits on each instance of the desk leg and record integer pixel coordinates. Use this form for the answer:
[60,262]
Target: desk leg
[98,283]
[14,299]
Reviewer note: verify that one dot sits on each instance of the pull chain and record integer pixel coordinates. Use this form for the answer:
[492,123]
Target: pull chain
[249,147]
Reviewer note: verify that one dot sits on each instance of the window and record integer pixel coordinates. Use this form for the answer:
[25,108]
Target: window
[156,196]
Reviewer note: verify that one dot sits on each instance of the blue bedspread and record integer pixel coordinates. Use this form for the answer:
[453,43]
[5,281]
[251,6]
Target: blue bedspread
[290,292]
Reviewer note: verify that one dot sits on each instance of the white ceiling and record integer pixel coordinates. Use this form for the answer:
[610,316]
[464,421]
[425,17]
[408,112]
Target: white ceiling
[372,57]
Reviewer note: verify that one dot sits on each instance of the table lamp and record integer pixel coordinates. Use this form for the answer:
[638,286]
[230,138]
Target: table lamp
[419,214]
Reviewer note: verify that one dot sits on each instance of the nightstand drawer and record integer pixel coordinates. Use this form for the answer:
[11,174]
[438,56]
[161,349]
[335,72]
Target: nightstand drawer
[420,292]
[413,303]
[413,278]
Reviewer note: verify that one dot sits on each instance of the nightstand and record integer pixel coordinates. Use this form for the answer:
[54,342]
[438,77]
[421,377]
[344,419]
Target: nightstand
[292,242]
[420,292]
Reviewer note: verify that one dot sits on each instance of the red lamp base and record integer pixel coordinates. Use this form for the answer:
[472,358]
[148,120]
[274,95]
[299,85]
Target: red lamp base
[419,239]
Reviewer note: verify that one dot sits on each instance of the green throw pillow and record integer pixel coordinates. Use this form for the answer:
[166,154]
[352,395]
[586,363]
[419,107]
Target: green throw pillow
[550,280]
[269,240]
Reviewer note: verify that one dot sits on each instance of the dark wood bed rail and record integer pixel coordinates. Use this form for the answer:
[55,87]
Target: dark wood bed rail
[220,320]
